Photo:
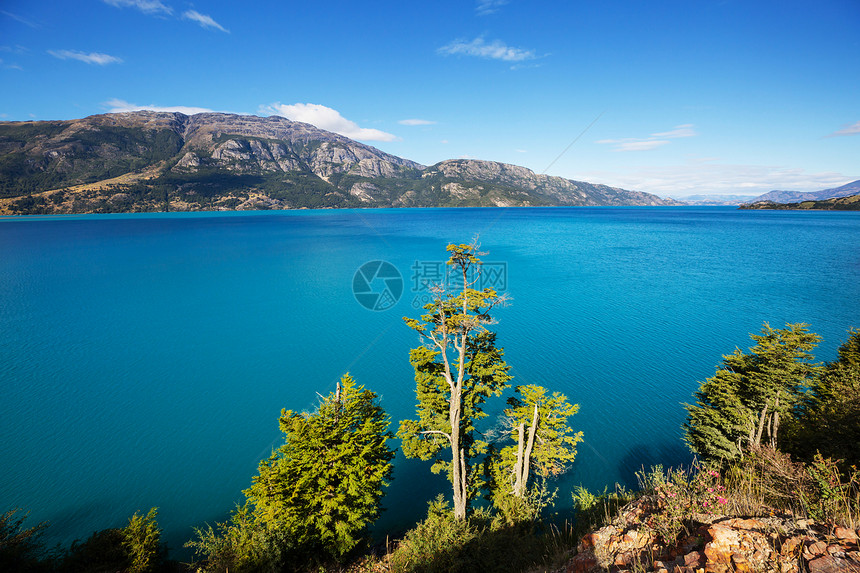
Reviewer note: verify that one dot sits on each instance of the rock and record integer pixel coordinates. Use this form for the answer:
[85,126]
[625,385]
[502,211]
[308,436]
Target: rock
[831,564]
[724,541]
[744,523]
[581,563]
[189,160]
[694,559]
[845,533]
[790,546]
[814,548]
[589,540]
[741,565]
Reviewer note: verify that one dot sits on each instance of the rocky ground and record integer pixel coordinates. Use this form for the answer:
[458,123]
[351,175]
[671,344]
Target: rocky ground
[716,544]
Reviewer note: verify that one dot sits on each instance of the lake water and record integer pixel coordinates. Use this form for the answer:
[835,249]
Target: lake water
[144,359]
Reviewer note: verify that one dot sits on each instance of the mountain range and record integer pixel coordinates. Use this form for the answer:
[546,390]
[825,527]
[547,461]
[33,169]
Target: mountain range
[847,203]
[846,190]
[716,200]
[159,161]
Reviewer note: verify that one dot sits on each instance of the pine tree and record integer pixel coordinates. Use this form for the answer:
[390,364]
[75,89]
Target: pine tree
[141,539]
[751,394]
[323,487]
[829,422]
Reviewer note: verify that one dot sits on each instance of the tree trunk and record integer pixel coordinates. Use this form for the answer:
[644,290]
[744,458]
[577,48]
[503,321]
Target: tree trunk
[458,461]
[527,458]
[459,475]
[518,468]
[756,444]
[773,428]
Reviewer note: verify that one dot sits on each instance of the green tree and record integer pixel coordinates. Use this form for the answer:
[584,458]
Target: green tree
[752,393]
[829,423]
[323,487]
[542,446]
[241,545]
[456,370]
[541,435]
[141,539]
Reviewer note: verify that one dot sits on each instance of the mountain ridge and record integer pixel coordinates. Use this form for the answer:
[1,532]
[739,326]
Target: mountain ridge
[159,161]
[777,196]
[846,203]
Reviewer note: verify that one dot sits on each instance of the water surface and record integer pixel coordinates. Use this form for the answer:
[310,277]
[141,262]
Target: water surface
[144,359]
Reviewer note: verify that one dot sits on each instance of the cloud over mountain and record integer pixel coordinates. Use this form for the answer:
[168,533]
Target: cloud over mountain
[326,118]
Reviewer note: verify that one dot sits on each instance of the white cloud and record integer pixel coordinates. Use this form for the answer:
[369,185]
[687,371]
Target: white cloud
[634,144]
[20,19]
[91,58]
[204,20]
[486,7]
[326,118]
[697,177]
[119,106]
[847,130]
[158,8]
[653,141]
[9,66]
[416,122]
[685,130]
[145,6]
[17,50]
[495,50]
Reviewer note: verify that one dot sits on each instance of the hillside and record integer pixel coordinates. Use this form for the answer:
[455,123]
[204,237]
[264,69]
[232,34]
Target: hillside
[850,203]
[156,161]
[852,188]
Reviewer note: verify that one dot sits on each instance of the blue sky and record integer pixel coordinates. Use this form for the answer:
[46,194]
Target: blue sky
[669,97]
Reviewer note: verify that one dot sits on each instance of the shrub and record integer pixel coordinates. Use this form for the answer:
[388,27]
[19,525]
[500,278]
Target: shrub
[240,545]
[141,539]
[20,548]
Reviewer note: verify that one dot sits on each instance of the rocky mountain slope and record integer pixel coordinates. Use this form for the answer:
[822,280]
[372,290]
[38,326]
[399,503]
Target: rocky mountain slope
[156,161]
[852,188]
[849,203]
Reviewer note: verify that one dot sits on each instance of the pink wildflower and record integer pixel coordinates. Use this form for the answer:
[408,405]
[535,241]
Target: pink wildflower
[722,500]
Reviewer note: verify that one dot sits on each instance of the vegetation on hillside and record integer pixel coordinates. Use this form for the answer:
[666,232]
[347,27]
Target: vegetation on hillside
[170,162]
[849,203]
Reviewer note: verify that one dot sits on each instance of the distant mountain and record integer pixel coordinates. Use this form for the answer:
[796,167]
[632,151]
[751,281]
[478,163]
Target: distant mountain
[716,199]
[798,196]
[849,203]
[156,161]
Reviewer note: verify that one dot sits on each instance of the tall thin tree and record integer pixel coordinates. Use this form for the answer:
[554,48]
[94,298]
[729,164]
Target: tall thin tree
[457,368]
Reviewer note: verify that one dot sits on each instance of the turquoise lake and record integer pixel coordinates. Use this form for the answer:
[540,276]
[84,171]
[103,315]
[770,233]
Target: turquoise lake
[145,359]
